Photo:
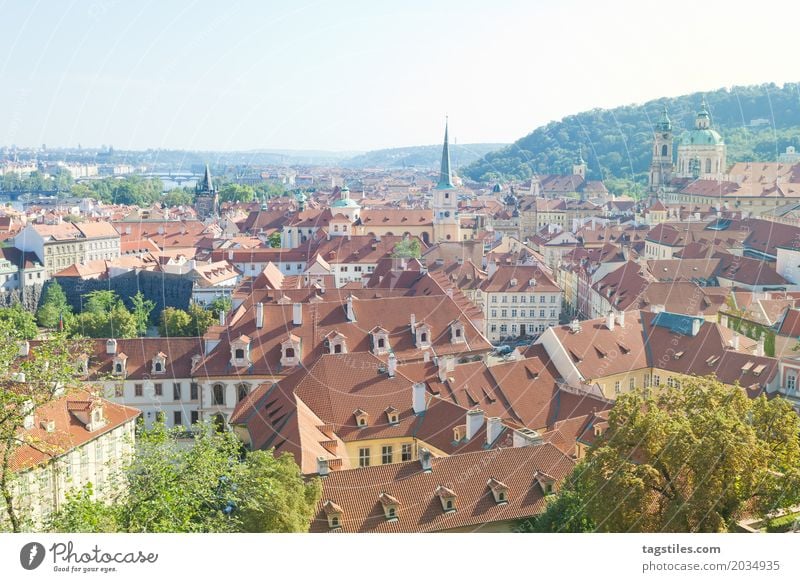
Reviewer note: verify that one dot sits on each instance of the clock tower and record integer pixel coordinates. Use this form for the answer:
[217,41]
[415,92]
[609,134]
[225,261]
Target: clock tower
[445,200]
[661,166]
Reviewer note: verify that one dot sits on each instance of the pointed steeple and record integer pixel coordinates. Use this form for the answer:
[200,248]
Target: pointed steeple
[445,178]
[205,185]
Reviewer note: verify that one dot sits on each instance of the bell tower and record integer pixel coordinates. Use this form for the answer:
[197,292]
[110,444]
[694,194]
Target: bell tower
[445,200]
[661,166]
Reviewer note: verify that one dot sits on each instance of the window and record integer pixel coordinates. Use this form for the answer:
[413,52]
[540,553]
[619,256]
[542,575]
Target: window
[363,457]
[552,299]
[218,395]
[239,354]
[553,313]
[381,343]
[337,349]
[405,452]
[541,313]
[193,390]
[423,337]
[118,368]
[503,328]
[513,313]
[664,150]
[289,352]
[195,416]
[791,382]
[513,299]
[542,299]
[158,367]
[176,418]
[617,388]
[137,390]
[494,298]
[449,504]
[386,454]
[176,391]
[159,389]
[241,392]
[504,313]
[632,383]
[522,298]
[656,380]
[494,313]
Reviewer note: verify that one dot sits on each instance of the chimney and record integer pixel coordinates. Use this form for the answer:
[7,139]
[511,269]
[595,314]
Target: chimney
[322,467]
[392,365]
[111,346]
[222,317]
[474,422]
[418,397]
[351,315]
[297,314]
[413,320]
[696,324]
[525,437]
[24,348]
[621,318]
[259,315]
[610,320]
[230,255]
[425,460]
[494,426]
[735,341]
[426,356]
[444,367]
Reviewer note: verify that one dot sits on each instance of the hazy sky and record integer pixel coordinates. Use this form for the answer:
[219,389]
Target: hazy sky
[350,75]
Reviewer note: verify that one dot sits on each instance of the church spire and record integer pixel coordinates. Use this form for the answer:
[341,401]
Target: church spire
[205,184]
[445,178]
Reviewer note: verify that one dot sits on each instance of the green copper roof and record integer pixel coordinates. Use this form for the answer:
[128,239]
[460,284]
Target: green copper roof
[701,137]
[445,178]
[664,123]
[345,203]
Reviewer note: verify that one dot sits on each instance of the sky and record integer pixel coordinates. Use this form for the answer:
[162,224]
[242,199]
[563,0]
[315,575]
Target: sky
[351,75]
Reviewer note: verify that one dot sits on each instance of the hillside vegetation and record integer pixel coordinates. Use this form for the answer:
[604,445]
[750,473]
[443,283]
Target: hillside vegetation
[428,156]
[757,122]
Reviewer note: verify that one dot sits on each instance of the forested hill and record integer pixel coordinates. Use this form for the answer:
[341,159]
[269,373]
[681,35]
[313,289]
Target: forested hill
[757,122]
[429,156]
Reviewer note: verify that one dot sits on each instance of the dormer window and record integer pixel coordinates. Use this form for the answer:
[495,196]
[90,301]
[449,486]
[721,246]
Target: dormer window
[119,364]
[422,334]
[240,351]
[546,482]
[456,332]
[390,506]
[392,415]
[380,341]
[159,363]
[447,498]
[362,418]
[499,491]
[336,343]
[290,351]
[458,432]
[334,514]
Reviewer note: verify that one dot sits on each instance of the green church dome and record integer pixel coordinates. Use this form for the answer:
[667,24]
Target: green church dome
[701,137]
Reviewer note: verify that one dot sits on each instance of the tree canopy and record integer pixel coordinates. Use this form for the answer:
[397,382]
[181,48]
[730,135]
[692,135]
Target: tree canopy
[688,459]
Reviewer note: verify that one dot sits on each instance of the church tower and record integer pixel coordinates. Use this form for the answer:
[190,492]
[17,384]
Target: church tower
[702,152]
[445,201]
[579,167]
[661,166]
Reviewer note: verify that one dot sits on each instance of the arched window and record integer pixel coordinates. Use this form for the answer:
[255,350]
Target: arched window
[242,391]
[119,368]
[423,337]
[708,165]
[219,394]
[239,354]
[289,352]
[158,367]
[664,150]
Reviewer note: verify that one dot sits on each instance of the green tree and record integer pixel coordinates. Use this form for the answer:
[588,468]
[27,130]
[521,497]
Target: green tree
[23,321]
[174,323]
[692,459]
[142,308]
[178,197]
[49,372]
[220,304]
[81,513]
[54,304]
[201,319]
[104,315]
[408,248]
[236,193]
[272,495]
[275,240]
[566,512]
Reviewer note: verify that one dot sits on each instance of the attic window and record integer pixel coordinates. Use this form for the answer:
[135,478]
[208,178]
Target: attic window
[392,415]
[758,369]
[239,354]
[678,355]
[747,366]
[712,360]
[362,418]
